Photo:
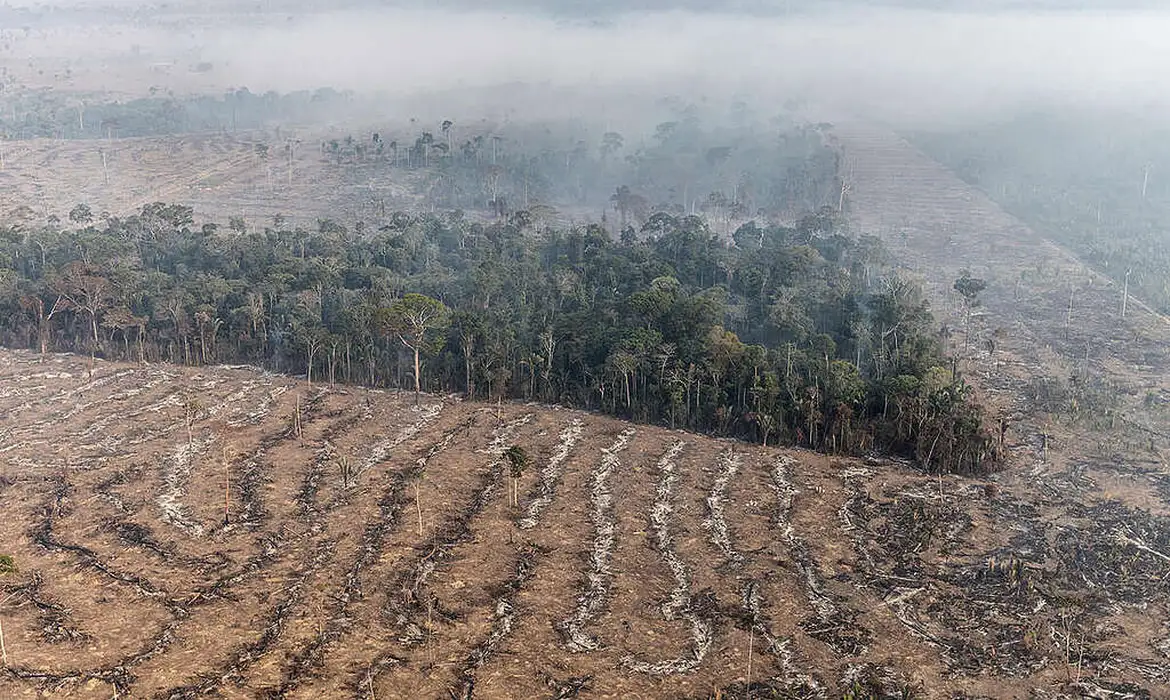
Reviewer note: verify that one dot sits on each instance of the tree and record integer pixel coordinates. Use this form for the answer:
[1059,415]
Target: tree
[34,304]
[121,319]
[445,127]
[192,407]
[626,202]
[969,287]
[86,290]
[611,142]
[81,214]
[517,462]
[469,328]
[417,321]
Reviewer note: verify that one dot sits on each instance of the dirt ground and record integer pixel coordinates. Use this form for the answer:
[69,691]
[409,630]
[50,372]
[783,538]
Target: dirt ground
[222,532]
[367,547]
[1083,390]
[219,175]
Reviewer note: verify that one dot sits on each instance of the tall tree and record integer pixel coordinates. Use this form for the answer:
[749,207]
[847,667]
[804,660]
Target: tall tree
[417,321]
[87,290]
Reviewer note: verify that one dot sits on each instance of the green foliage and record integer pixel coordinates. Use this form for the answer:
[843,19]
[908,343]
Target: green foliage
[418,321]
[7,565]
[518,460]
[798,336]
[969,287]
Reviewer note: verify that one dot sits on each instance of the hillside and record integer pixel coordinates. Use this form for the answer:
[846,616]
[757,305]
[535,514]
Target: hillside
[373,553]
[1082,389]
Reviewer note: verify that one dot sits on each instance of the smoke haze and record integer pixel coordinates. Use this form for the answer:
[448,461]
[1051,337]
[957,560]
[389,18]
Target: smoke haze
[907,66]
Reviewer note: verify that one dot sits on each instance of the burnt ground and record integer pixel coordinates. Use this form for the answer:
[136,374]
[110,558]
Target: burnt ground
[375,553]
[1076,528]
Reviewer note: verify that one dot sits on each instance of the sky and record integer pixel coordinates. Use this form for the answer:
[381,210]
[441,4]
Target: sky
[898,64]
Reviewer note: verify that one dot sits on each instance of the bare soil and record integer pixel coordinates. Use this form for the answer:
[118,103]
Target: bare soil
[218,174]
[324,582]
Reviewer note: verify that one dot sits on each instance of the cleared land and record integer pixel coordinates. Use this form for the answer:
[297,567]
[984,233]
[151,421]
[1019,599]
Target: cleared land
[372,552]
[219,175]
[1084,391]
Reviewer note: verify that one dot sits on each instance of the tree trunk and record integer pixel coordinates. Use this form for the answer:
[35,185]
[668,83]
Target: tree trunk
[467,371]
[417,383]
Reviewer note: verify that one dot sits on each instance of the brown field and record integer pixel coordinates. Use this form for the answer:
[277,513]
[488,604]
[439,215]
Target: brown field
[376,554]
[218,174]
[373,552]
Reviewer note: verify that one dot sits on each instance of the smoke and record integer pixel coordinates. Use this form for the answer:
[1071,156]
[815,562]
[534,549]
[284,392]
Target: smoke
[908,67]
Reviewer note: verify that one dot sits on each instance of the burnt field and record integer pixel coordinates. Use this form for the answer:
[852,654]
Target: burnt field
[219,175]
[221,532]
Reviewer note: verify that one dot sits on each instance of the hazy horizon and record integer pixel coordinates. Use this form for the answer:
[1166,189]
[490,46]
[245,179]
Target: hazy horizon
[909,67]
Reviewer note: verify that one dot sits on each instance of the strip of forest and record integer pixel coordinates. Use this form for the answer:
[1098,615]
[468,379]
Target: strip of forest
[798,334]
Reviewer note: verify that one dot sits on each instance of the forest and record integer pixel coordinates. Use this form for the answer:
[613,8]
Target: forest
[784,334]
[726,162]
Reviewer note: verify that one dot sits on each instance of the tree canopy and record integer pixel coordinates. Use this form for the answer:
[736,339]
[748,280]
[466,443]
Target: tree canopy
[796,334]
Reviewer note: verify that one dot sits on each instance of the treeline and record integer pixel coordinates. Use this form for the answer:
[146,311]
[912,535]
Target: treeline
[728,172]
[46,113]
[729,165]
[796,335]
